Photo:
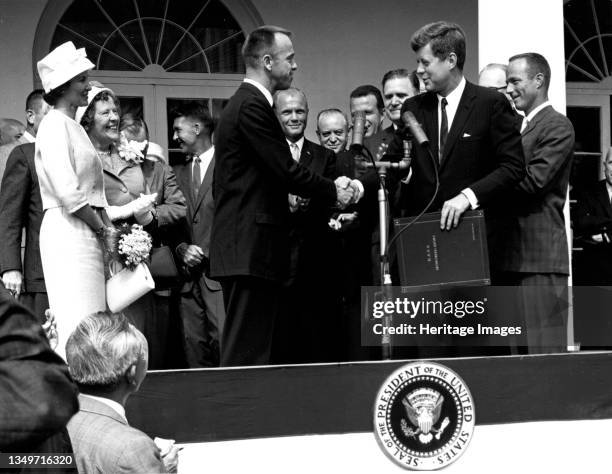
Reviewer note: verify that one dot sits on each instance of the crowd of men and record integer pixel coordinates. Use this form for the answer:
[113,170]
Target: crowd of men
[282,232]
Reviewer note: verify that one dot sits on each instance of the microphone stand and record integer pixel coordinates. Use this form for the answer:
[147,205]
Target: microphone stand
[381,168]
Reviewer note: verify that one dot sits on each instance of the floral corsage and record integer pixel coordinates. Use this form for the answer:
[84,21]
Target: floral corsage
[131,150]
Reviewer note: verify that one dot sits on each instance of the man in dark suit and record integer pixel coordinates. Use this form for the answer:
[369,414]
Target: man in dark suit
[397,86]
[309,329]
[37,396]
[201,307]
[476,148]
[21,207]
[332,129]
[592,224]
[254,174]
[536,251]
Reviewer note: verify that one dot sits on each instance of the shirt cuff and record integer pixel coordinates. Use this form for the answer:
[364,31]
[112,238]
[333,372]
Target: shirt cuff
[469,194]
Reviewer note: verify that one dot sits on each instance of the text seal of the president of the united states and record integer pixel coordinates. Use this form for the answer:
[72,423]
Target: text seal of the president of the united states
[424,416]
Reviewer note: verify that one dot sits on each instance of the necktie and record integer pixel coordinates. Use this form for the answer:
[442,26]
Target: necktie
[295,152]
[196,178]
[443,128]
[524,124]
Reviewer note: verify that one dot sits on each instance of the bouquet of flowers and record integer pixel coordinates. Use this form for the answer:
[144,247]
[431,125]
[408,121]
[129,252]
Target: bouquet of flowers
[131,150]
[133,245]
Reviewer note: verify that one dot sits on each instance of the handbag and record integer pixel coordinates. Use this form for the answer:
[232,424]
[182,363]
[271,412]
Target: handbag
[126,286]
[163,268]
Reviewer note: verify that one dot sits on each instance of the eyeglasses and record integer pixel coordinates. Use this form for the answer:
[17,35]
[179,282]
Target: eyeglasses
[501,89]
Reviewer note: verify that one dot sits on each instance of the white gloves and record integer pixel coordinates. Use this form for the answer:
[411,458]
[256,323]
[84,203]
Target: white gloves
[140,208]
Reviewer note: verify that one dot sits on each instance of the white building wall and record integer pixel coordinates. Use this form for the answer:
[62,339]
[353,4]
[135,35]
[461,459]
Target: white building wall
[509,28]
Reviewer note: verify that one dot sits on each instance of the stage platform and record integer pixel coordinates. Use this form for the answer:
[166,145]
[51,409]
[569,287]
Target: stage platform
[194,406]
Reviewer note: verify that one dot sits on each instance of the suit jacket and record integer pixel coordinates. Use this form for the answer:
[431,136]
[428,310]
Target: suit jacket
[21,206]
[37,396]
[593,211]
[535,239]
[123,185]
[592,215]
[104,442]
[483,150]
[383,137]
[254,172]
[197,224]
[313,243]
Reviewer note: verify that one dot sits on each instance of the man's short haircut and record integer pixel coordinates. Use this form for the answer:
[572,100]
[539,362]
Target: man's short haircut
[366,90]
[259,42]
[290,91]
[331,112]
[536,64]
[33,100]
[400,74]
[132,125]
[444,38]
[7,125]
[196,111]
[101,350]
[492,66]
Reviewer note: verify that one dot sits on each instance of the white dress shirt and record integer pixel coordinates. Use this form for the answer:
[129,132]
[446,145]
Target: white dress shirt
[27,137]
[300,145]
[205,159]
[451,108]
[263,90]
[452,105]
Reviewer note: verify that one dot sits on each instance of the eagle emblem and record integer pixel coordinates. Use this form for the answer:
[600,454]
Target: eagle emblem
[423,407]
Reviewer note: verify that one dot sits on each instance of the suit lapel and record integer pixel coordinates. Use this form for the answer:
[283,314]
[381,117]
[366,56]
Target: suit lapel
[306,155]
[183,176]
[602,196]
[206,184]
[541,115]
[431,122]
[466,104]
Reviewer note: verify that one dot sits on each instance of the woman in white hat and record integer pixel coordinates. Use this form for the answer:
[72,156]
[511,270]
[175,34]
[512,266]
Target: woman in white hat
[75,226]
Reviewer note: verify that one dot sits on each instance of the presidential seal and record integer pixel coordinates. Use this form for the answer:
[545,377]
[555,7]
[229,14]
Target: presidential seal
[424,416]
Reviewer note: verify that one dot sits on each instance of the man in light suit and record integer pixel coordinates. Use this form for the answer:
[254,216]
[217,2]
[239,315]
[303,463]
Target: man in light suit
[536,253]
[21,207]
[201,308]
[254,173]
[107,357]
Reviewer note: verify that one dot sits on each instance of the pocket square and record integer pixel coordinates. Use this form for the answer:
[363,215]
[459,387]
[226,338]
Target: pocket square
[466,135]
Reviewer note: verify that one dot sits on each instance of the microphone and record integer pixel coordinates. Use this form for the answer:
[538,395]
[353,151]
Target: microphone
[358,130]
[415,127]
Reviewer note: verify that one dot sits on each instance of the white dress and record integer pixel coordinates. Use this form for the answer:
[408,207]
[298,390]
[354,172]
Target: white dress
[70,176]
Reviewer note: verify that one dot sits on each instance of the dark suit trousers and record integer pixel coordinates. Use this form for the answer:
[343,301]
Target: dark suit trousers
[542,302]
[37,303]
[252,306]
[203,316]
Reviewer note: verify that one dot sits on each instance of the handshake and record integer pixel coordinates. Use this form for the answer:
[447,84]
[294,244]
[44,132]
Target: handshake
[348,191]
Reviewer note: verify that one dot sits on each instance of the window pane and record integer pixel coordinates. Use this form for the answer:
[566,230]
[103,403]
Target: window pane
[201,37]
